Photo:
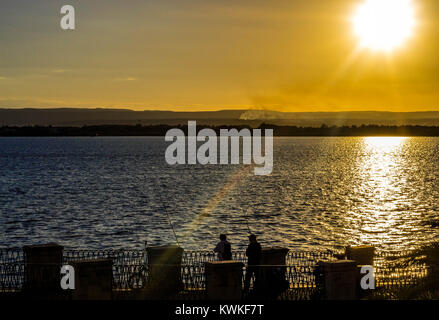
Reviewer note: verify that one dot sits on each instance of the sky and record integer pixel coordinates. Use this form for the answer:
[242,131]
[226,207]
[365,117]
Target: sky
[192,55]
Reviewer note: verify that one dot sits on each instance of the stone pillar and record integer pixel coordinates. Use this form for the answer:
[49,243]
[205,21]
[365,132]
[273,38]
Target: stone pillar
[224,280]
[363,255]
[340,279]
[165,270]
[93,279]
[271,280]
[43,270]
[274,256]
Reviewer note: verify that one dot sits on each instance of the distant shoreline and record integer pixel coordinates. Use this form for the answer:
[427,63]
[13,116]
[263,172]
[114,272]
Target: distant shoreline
[278,131]
[77,117]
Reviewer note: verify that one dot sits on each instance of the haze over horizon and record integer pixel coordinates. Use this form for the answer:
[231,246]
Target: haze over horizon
[193,55]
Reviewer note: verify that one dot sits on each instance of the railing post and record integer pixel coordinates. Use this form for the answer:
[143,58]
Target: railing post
[363,255]
[340,279]
[42,270]
[224,280]
[271,280]
[275,256]
[165,270]
[93,279]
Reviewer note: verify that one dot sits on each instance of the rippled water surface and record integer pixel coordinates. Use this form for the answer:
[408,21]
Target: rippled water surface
[114,192]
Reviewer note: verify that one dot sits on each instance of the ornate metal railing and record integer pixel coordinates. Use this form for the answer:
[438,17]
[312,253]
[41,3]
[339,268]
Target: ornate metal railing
[11,269]
[130,269]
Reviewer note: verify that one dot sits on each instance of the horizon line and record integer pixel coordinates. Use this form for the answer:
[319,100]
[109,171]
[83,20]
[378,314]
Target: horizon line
[198,111]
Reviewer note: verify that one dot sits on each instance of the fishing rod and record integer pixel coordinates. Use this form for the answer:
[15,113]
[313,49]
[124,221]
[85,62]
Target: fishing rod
[169,217]
[248,227]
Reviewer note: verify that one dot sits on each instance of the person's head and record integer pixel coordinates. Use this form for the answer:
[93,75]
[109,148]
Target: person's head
[252,238]
[223,237]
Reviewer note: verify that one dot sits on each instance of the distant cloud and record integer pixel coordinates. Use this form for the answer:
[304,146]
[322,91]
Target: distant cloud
[126,79]
[61,70]
[31,103]
[14,102]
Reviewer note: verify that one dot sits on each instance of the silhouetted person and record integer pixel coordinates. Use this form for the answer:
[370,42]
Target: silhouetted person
[223,248]
[253,253]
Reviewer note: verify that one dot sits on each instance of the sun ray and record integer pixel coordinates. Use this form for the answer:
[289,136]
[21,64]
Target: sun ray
[238,176]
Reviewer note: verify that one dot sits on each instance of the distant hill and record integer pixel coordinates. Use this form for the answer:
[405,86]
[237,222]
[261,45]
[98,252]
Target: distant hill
[313,119]
[81,117]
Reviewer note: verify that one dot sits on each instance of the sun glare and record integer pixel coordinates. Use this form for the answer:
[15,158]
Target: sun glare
[384,25]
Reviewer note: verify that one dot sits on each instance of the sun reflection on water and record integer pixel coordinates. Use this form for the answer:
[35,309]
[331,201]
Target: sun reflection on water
[384,142]
[379,191]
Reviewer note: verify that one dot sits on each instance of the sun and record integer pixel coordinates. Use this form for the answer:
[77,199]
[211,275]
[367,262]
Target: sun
[384,25]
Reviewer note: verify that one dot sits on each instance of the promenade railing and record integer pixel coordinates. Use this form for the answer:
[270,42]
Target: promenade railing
[130,269]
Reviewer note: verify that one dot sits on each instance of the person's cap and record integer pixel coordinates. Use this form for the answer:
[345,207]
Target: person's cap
[252,236]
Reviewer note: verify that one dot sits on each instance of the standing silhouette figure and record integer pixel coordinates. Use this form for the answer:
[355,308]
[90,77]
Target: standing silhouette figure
[223,248]
[253,253]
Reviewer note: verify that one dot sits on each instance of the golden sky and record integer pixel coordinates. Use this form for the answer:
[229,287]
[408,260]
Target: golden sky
[297,55]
